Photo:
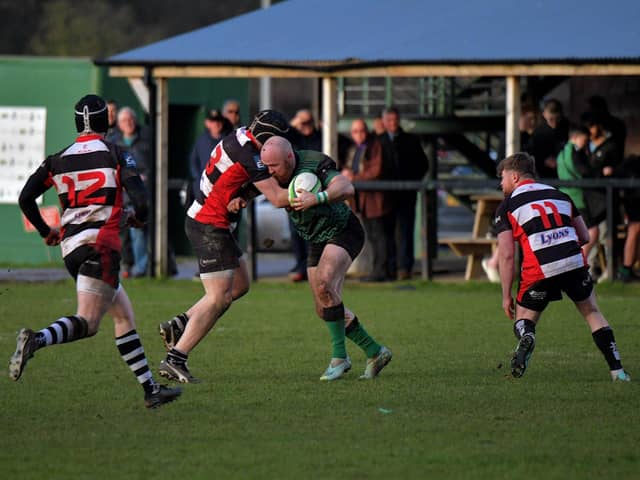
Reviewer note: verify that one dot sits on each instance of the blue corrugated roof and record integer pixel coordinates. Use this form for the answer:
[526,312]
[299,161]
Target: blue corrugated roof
[334,32]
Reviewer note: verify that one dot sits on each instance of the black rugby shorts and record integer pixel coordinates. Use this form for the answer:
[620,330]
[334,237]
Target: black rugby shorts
[577,284]
[351,238]
[215,248]
[95,261]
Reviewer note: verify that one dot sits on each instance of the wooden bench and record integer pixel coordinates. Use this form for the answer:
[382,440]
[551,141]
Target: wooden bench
[478,245]
[475,249]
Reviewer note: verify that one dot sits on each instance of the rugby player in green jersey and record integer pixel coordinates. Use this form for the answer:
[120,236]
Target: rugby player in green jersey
[335,238]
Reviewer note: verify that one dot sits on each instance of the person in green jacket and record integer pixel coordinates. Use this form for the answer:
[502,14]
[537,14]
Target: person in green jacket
[573,164]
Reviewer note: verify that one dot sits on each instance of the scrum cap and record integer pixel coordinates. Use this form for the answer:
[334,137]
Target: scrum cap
[268,123]
[91,115]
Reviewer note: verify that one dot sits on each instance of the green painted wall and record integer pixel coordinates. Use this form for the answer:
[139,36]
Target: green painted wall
[43,82]
[57,83]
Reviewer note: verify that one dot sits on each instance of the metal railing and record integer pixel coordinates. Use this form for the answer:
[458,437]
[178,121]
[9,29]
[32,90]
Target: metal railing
[428,208]
[419,97]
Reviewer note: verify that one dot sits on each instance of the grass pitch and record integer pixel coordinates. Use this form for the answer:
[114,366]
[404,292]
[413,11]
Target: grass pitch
[445,407]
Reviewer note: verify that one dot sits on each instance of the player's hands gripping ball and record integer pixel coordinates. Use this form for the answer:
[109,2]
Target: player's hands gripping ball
[304,191]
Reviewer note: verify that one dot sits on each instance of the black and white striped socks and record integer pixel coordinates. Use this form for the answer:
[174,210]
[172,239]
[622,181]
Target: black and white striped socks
[132,352]
[64,330]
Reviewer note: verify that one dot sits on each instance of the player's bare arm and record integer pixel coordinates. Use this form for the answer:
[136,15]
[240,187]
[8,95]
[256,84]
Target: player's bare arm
[581,230]
[339,189]
[506,263]
[279,197]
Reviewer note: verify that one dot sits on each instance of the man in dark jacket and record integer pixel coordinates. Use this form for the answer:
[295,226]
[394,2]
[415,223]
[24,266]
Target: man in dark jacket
[549,138]
[408,162]
[366,162]
[603,161]
[215,127]
[135,139]
[598,106]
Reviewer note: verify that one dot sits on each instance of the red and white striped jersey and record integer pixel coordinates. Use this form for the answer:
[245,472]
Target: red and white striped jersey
[87,178]
[541,219]
[234,163]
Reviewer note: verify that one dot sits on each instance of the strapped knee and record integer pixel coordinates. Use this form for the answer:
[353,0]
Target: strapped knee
[333,314]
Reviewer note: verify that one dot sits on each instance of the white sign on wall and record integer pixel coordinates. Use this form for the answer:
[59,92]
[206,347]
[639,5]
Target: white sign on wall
[22,148]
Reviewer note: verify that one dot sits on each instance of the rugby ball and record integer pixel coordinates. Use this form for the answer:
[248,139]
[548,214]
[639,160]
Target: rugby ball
[304,181]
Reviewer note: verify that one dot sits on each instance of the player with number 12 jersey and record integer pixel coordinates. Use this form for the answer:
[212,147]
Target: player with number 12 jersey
[88,176]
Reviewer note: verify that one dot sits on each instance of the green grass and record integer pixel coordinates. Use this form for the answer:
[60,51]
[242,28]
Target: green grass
[442,409]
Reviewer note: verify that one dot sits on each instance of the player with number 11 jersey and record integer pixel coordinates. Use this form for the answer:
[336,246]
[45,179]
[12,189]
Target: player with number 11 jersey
[550,231]
[541,219]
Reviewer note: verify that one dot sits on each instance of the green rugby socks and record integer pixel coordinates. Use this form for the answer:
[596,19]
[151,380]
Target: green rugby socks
[358,335]
[334,319]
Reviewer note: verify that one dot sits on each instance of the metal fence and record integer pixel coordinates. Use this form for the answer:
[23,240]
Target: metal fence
[428,209]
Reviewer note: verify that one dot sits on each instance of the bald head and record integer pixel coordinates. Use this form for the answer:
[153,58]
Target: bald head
[359,131]
[277,149]
[277,155]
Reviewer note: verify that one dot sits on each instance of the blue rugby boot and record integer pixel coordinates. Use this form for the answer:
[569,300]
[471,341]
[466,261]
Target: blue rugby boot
[620,376]
[335,372]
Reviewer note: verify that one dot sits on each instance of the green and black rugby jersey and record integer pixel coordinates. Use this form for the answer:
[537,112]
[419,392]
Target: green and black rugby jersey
[322,222]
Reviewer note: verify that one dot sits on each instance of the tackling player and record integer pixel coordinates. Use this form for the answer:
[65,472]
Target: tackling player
[89,176]
[234,168]
[550,232]
[335,239]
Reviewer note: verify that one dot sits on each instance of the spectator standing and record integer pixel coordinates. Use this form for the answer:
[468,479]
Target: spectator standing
[573,164]
[527,124]
[614,125]
[602,162]
[548,138]
[366,162]
[112,111]
[231,111]
[136,140]
[308,137]
[126,254]
[409,162]
[617,131]
[216,127]
[630,168]
[378,126]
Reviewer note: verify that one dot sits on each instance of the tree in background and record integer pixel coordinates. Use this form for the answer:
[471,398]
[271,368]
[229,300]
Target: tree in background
[104,27]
